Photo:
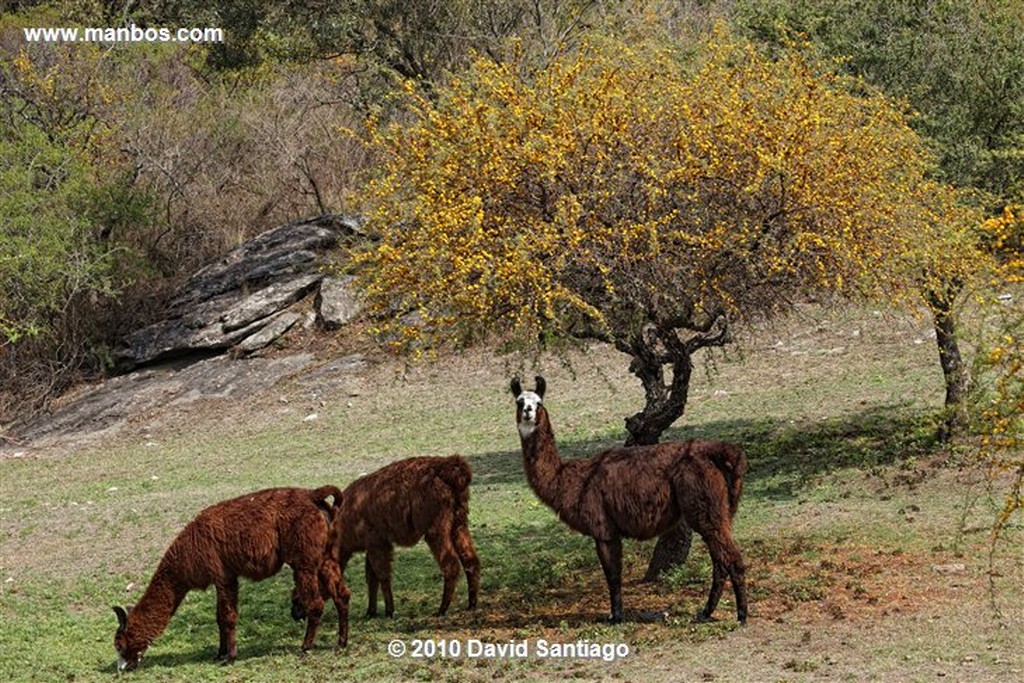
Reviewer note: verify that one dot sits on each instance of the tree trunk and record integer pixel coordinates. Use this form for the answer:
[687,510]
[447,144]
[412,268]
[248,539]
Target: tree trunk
[671,550]
[652,348]
[665,402]
[664,405]
[955,372]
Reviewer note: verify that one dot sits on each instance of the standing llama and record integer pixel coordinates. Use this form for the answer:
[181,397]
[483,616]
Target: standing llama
[400,504]
[638,492]
[251,536]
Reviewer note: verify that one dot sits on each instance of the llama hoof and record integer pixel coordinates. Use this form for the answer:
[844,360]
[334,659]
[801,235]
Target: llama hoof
[615,619]
[703,618]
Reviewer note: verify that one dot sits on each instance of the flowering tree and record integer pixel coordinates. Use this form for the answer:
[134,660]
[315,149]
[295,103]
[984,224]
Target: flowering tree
[1002,420]
[625,195]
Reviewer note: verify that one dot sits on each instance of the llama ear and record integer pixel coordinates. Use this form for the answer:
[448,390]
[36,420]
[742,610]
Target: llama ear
[541,386]
[122,618]
[516,387]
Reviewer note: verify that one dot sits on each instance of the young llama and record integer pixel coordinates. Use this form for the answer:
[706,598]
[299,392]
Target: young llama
[638,492]
[251,536]
[398,505]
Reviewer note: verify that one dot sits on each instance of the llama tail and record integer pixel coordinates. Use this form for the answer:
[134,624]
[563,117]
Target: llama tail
[330,512]
[731,462]
[321,495]
[455,471]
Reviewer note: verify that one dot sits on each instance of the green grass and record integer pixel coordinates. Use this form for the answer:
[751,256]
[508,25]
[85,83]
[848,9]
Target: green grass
[848,503]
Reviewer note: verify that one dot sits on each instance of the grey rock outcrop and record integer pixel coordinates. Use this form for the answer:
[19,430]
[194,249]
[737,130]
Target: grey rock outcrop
[237,301]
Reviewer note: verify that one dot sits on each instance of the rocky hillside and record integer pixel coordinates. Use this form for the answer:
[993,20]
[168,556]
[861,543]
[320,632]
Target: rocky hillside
[208,342]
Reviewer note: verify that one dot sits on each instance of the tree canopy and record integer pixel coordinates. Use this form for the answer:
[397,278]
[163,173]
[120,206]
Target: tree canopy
[958,63]
[622,193]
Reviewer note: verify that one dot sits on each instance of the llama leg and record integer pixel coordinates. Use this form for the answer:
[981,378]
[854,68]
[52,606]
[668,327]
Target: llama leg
[371,587]
[298,605]
[440,542]
[307,591]
[332,583]
[379,560]
[738,576]
[718,574]
[610,555]
[727,561]
[466,551]
[227,618]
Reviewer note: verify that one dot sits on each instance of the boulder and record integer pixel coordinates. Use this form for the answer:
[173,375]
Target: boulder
[337,303]
[241,294]
[265,302]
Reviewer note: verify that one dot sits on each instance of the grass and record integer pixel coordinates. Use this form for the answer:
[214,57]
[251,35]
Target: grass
[865,540]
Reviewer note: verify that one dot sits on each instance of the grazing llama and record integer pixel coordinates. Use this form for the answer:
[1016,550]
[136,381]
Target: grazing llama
[251,536]
[398,505]
[638,492]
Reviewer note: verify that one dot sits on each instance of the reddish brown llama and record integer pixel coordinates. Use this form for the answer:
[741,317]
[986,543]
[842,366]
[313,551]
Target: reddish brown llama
[251,536]
[398,505]
[638,492]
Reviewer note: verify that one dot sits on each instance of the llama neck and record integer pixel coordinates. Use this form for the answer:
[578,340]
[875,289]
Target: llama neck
[148,619]
[541,461]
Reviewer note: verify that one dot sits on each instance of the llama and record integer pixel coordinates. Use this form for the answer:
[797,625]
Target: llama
[638,492]
[251,536]
[399,504]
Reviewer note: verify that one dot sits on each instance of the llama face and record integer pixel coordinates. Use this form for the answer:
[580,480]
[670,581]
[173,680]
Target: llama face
[128,663]
[127,658]
[527,405]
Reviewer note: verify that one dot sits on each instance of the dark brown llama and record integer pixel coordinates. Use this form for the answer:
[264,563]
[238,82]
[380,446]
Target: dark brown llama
[638,492]
[398,505]
[251,536]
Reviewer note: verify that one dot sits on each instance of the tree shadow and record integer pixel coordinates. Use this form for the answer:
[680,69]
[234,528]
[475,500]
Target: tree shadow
[783,456]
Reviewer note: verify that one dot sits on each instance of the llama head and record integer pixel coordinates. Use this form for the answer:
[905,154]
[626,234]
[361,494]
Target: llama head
[128,655]
[528,405]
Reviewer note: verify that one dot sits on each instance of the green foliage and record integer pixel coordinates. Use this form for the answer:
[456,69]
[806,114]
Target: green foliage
[47,254]
[957,62]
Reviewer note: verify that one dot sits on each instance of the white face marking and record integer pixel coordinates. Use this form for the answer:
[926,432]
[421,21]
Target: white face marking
[527,402]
